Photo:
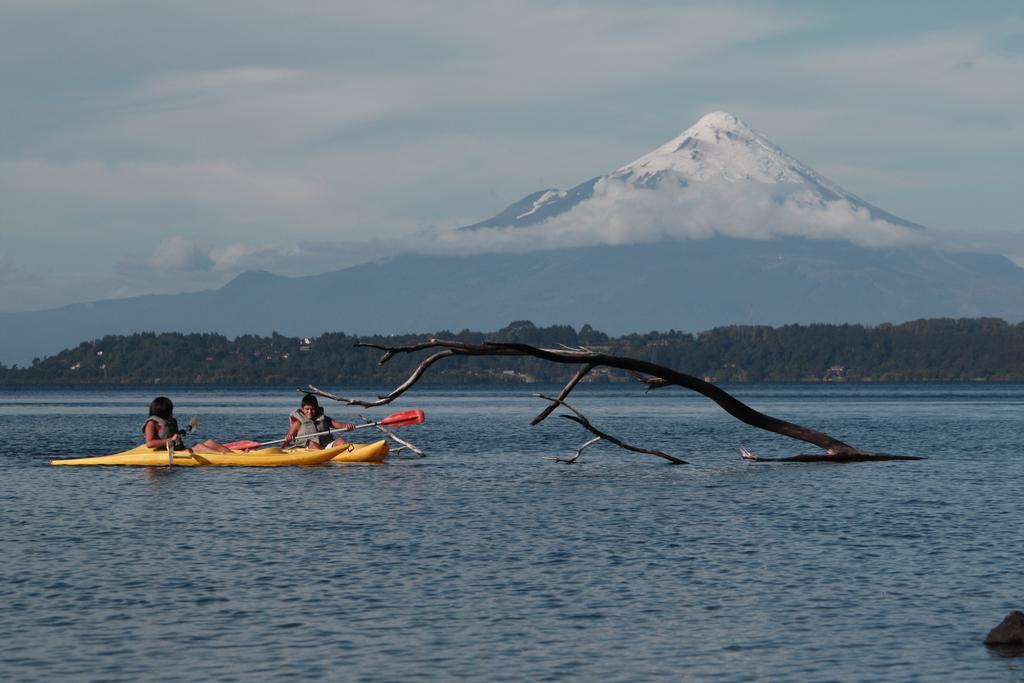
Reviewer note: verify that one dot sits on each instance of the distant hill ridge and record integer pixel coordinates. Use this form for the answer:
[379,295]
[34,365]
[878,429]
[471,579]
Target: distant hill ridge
[717,226]
[692,286]
[982,349]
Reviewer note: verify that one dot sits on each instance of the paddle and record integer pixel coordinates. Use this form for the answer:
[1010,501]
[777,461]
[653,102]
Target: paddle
[193,425]
[402,419]
[405,444]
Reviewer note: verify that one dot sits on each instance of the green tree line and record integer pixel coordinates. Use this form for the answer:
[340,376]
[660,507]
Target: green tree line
[966,349]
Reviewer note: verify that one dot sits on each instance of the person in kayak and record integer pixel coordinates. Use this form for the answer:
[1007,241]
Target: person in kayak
[161,427]
[310,419]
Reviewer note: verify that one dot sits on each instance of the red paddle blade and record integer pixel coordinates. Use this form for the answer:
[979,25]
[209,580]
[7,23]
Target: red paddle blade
[404,418]
[242,445]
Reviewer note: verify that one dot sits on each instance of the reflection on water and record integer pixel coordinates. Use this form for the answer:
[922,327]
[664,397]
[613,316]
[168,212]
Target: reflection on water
[485,562]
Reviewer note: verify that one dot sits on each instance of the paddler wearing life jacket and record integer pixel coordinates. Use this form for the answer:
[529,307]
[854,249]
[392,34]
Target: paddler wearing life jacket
[161,428]
[310,419]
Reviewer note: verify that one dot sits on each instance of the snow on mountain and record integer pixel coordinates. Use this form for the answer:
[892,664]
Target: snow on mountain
[721,146]
[719,177]
[546,197]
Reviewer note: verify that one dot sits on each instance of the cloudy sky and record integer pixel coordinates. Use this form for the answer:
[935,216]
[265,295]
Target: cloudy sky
[152,146]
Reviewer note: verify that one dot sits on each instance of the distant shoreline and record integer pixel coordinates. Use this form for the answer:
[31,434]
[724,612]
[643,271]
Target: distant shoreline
[940,350]
[426,382]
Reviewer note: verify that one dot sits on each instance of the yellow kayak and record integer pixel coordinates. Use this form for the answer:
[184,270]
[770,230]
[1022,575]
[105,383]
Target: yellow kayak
[268,457]
[261,458]
[363,452]
[353,452]
[140,455]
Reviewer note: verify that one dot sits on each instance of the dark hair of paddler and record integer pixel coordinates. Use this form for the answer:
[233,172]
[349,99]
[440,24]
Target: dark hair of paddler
[161,407]
[310,400]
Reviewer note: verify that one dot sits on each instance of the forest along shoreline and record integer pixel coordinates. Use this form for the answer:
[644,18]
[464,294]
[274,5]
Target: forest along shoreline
[942,349]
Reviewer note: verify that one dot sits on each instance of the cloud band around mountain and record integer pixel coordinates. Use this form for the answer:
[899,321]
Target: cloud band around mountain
[619,213]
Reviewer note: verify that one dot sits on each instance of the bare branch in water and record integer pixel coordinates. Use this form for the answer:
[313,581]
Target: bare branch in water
[652,375]
[580,374]
[582,420]
[859,456]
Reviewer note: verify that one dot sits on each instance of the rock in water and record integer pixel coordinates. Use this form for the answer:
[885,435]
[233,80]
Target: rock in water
[1009,632]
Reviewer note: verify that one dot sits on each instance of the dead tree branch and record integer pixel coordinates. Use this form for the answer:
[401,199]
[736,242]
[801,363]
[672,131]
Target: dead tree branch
[579,452]
[651,382]
[580,374]
[653,375]
[582,420]
[857,456]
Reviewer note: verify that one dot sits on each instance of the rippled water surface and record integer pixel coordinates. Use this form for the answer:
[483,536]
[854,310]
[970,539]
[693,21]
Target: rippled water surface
[486,562]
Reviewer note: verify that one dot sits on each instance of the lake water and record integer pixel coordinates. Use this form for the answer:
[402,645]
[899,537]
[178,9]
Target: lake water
[484,561]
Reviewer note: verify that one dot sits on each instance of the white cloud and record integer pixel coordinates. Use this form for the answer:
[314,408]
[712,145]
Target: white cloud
[7,268]
[619,213]
[436,60]
[179,253]
[956,68]
[869,179]
[238,256]
[1010,244]
[136,202]
[207,184]
[935,92]
[240,113]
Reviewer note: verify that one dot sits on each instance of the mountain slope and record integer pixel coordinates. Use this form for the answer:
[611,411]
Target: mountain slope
[689,286]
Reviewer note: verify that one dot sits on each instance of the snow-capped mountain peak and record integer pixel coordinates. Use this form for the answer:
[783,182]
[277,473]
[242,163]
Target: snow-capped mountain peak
[721,146]
[711,127]
[718,176]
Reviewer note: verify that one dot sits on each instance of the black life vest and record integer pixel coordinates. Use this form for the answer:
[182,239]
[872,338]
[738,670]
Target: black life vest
[167,428]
